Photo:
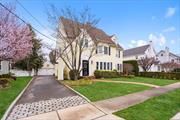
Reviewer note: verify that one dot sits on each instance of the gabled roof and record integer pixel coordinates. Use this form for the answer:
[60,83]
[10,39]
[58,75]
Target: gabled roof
[95,33]
[170,53]
[135,51]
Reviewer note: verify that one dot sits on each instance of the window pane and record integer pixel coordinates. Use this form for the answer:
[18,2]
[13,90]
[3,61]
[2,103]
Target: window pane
[111,65]
[108,65]
[105,50]
[97,65]
[100,65]
[104,65]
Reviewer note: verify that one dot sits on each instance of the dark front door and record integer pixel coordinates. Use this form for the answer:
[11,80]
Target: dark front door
[85,67]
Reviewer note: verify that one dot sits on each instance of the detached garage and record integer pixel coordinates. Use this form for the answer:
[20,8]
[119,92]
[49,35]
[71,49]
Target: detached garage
[47,69]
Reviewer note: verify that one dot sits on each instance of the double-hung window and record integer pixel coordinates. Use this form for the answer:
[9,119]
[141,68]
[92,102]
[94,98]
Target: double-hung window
[105,50]
[100,49]
[101,65]
[108,66]
[97,65]
[104,65]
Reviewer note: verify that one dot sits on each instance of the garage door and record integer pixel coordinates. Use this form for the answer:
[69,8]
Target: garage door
[46,71]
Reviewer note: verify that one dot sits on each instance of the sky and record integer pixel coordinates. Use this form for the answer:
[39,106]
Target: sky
[134,22]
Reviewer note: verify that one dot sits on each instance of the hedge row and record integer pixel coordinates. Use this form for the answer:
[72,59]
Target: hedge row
[106,74]
[162,75]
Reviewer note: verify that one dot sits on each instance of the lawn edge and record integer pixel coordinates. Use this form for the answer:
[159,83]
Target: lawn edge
[76,92]
[15,100]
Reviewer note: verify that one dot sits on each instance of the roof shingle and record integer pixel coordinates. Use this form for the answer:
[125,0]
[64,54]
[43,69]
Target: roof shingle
[135,51]
[95,33]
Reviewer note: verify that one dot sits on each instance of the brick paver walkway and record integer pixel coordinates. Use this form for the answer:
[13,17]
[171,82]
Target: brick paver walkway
[138,83]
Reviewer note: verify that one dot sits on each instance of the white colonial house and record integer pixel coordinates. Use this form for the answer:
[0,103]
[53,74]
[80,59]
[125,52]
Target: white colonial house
[165,56]
[138,53]
[107,56]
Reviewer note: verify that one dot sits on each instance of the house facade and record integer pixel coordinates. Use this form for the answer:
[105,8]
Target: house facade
[108,54]
[138,53]
[165,56]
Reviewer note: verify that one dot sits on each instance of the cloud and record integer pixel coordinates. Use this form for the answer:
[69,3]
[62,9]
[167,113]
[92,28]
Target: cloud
[157,39]
[169,29]
[170,12]
[172,41]
[137,43]
[130,46]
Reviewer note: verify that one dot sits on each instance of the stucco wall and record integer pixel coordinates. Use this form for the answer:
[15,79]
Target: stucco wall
[4,67]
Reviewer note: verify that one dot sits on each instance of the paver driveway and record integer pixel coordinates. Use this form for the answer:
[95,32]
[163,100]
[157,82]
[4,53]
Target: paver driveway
[45,88]
[44,95]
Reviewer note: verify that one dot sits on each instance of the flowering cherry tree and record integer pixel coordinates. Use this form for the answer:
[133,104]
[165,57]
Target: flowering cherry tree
[15,37]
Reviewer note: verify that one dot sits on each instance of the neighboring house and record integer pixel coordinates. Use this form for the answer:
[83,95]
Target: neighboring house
[4,67]
[108,55]
[139,53]
[165,56]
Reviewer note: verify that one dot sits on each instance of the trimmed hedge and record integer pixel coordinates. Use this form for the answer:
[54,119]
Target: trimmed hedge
[134,64]
[8,76]
[106,74]
[161,75]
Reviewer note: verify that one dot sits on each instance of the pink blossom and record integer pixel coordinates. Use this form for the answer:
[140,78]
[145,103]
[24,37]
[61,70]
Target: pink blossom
[15,38]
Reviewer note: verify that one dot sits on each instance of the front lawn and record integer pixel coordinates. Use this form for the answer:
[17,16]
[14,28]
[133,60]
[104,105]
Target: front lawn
[154,81]
[162,107]
[102,90]
[7,95]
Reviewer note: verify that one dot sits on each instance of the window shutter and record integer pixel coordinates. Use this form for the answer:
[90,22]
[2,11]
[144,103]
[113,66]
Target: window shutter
[109,50]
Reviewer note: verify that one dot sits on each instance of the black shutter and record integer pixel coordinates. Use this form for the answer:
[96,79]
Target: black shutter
[109,50]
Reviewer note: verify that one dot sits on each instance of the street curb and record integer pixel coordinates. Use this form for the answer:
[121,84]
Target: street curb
[15,100]
[77,92]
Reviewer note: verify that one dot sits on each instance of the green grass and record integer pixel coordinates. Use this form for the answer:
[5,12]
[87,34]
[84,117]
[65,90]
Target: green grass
[102,90]
[162,107]
[7,95]
[160,82]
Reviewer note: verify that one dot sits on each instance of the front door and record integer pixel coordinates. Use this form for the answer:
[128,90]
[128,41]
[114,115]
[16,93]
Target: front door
[85,67]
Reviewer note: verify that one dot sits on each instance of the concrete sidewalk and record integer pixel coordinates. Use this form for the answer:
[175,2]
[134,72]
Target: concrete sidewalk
[119,103]
[103,110]
[81,112]
[137,83]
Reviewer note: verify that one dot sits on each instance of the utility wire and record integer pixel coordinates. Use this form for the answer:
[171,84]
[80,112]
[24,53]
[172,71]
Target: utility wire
[35,29]
[32,16]
[25,22]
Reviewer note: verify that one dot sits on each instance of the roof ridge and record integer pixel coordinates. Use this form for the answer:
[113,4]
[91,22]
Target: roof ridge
[138,47]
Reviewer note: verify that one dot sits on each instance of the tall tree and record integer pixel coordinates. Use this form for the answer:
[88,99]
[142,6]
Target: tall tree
[35,60]
[169,66]
[15,37]
[146,63]
[52,57]
[73,38]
